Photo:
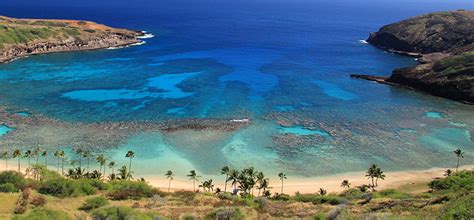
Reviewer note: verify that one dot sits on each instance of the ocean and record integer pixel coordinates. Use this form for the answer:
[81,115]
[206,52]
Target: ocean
[283,64]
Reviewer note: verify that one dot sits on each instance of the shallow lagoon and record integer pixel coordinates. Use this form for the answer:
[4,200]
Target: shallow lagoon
[224,64]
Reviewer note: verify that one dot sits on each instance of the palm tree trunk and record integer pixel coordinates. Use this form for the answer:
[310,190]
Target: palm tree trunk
[194,185]
[88,161]
[58,165]
[62,166]
[457,165]
[169,186]
[130,167]
[372,181]
[225,186]
[376,181]
[19,165]
[281,186]
[258,195]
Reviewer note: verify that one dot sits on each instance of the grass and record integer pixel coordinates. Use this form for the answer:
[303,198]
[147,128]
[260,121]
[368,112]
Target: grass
[452,198]
[19,31]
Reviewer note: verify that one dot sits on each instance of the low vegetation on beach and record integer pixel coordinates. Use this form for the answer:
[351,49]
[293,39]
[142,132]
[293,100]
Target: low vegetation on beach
[80,193]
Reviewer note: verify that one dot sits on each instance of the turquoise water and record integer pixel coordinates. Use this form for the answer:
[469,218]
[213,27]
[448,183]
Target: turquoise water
[275,64]
[4,130]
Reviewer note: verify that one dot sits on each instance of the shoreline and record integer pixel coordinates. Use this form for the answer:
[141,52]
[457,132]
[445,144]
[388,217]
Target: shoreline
[331,183]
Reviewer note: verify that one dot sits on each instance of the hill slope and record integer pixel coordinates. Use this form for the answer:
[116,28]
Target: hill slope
[23,37]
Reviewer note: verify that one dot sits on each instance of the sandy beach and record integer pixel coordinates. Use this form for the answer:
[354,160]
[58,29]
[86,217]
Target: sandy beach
[299,184]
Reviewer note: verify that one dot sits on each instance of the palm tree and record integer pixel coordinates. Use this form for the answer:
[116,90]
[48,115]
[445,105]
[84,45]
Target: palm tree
[57,154]
[101,160]
[264,185]
[194,177]
[459,154]
[45,155]
[379,175]
[169,175]
[17,154]
[233,176]
[372,173]
[282,177]
[448,172]
[4,156]
[79,152]
[207,186]
[29,155]
[62,155]
[124,173]
[225,171]
[345,184]
[130,154]
[87,155]
[112,166]
[36,153]
[260,178]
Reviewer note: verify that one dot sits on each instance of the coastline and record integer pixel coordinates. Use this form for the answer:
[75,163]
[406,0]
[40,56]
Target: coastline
[331,183]
[81,36]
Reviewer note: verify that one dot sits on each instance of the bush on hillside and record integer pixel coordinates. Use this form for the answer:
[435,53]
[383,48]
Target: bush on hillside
[121,190]
[463,180]
[93,203]
[43,214]
[38,201]
[226,213]
[114,212]
[319,199]
[67,188]
[12,177]
[8,188]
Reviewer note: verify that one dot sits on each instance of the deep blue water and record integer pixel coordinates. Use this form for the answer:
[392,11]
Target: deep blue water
[271,61]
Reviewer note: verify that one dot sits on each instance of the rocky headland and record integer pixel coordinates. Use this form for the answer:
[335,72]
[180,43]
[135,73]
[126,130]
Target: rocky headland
[443,43]
[24,37]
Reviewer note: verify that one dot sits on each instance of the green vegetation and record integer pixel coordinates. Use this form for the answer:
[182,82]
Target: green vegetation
[93,203]
[84,193]
[455,65]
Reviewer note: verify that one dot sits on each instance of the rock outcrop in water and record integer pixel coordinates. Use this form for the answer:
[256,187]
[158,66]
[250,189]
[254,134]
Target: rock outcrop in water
[444,44]
[24,37]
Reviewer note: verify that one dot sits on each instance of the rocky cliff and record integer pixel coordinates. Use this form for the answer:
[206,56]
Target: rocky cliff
[444,44]
[24,37]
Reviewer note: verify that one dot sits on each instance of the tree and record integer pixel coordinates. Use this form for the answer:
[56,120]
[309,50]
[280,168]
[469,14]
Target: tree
[62,155]
[45,155]
[169,175]
[459,154]
[17,154]
[101,160]
[87,155]
[4,156]
[233,176]
[36,153]
[58,156]
[345,184]
[225,171]
[112,166]
[194,177]
[260,178]
[322,191]
[124,173]
[207,186]
[371,173]
[379,175]
[130,154]
[79,152]
[29,154]
[282,177]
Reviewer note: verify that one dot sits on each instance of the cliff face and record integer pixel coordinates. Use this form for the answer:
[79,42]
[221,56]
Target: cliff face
[444,43]
[451,77]
[429,33]
[23,37]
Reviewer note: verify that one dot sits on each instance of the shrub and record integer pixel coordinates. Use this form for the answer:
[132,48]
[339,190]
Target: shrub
[319,199]
[12,177]
[114,212]
[226,213]
[66,188]
[93,203]
[8,187]
[459,208]
[38,201]
[390,193]
[463,180]
[43,214]
[122,190]
[281,197]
